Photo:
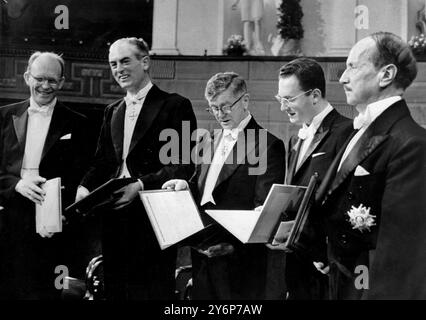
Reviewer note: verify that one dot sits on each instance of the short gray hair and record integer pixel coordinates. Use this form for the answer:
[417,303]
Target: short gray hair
[220,82]
[139,43]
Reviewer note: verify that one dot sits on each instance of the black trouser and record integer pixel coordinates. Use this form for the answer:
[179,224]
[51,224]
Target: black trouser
[135,268]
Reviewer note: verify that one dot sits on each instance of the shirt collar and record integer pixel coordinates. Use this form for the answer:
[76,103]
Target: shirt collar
[309,131]
[141,93]
[48,108]
[241,126]
[316,121]
[375,109]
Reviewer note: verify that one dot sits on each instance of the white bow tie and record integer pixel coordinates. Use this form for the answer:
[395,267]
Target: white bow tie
[39,110]
[133,100]
[305,132]
[233,133]
[362,120]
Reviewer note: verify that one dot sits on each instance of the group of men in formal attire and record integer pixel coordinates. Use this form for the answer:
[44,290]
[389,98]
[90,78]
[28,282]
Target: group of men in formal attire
[369,208]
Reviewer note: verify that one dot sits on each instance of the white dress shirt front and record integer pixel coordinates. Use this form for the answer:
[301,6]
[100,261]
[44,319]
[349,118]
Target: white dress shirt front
[133,108]
[224,148]
[39,119]
[307,133]
[365,118]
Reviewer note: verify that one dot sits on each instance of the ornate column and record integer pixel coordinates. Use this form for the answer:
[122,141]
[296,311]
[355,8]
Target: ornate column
[164,30]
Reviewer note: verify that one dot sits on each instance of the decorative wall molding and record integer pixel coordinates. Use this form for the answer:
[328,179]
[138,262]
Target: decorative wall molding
[91,84]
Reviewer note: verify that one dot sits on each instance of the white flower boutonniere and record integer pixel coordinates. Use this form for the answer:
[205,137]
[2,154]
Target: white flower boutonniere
[360,218]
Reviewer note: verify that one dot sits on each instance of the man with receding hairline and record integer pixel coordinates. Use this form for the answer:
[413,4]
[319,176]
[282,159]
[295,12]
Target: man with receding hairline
[373,196]
[229,176]
[40,139]
[129,146]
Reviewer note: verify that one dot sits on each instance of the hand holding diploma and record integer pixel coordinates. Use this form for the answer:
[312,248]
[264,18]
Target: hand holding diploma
[281,237]
[176,185]
[30,188]
[128,194]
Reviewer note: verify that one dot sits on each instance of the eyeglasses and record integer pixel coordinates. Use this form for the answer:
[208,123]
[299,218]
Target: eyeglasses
[285,102]
[224,109]
[50,81]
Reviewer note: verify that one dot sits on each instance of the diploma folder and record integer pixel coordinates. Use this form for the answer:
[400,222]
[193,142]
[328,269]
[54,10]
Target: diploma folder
[251,226]
[99,196]
[299,238]
[49,213]
[173,214]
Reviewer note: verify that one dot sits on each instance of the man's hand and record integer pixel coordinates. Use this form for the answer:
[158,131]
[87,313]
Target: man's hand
[221,249]
[321,268]
[29,187]
[282,236]
[176,184]
[45,234]
[128,194]
[279,246]
[82,193]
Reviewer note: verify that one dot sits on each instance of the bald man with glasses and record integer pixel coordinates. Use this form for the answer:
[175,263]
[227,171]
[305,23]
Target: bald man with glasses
[245,161]
[40,139]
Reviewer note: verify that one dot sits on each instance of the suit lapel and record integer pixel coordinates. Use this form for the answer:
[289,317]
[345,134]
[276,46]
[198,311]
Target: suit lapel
[292,160]
[150,109]
[331,172]
[57,124]
[241,149]
[117,128]
[374,136]
[362,149]
[318,137]
[20,120]
[236,157]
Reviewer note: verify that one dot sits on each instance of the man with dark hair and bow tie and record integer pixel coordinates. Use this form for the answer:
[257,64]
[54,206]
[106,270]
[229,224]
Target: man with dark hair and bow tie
[373,196]
[245,161]
[40,139]
[129,145]
[302,95]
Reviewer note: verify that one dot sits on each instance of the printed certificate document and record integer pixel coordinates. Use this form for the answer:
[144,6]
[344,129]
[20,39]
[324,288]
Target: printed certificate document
[49,213]
[251,226]
[173,214]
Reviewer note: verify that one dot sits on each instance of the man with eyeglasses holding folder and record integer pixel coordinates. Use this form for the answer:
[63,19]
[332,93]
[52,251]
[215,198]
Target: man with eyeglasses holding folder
[40,139]
[239,164]
[302,95]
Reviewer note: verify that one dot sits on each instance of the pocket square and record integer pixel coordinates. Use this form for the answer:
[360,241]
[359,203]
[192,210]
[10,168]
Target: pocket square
[360,171]
[317,154]
[66,137]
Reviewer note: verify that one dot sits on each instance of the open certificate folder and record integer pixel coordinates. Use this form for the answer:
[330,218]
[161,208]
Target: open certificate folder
[102,195]
[251,226]
[173,214]
[49,213]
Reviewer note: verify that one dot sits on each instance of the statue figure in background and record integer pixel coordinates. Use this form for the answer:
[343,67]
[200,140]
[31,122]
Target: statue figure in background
[251,17]
[421,20]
